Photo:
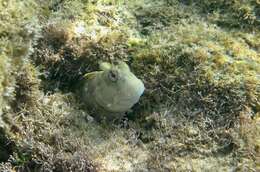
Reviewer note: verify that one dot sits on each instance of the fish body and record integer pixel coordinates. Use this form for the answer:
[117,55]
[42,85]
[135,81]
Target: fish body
[114,89]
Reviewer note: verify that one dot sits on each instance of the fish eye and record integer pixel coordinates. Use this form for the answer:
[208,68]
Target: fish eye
[113,75]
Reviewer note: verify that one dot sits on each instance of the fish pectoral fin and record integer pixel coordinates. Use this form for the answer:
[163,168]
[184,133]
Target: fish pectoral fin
[90,75]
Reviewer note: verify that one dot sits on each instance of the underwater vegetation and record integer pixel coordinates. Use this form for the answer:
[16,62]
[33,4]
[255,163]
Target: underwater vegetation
[199,62]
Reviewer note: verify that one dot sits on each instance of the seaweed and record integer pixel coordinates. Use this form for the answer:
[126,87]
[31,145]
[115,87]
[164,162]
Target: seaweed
[199,61]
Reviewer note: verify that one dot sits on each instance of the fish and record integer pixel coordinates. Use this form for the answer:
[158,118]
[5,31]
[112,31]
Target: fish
[114,88]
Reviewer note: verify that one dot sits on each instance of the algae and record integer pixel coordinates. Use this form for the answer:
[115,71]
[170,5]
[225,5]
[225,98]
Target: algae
[199,61]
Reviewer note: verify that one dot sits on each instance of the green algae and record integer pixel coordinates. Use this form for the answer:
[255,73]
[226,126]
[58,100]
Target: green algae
[199,61]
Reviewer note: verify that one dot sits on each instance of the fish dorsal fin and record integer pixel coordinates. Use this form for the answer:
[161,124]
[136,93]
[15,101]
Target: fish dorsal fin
[104,66]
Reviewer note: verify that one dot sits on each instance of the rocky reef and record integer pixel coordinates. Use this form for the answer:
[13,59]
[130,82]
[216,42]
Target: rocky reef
[199,61]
